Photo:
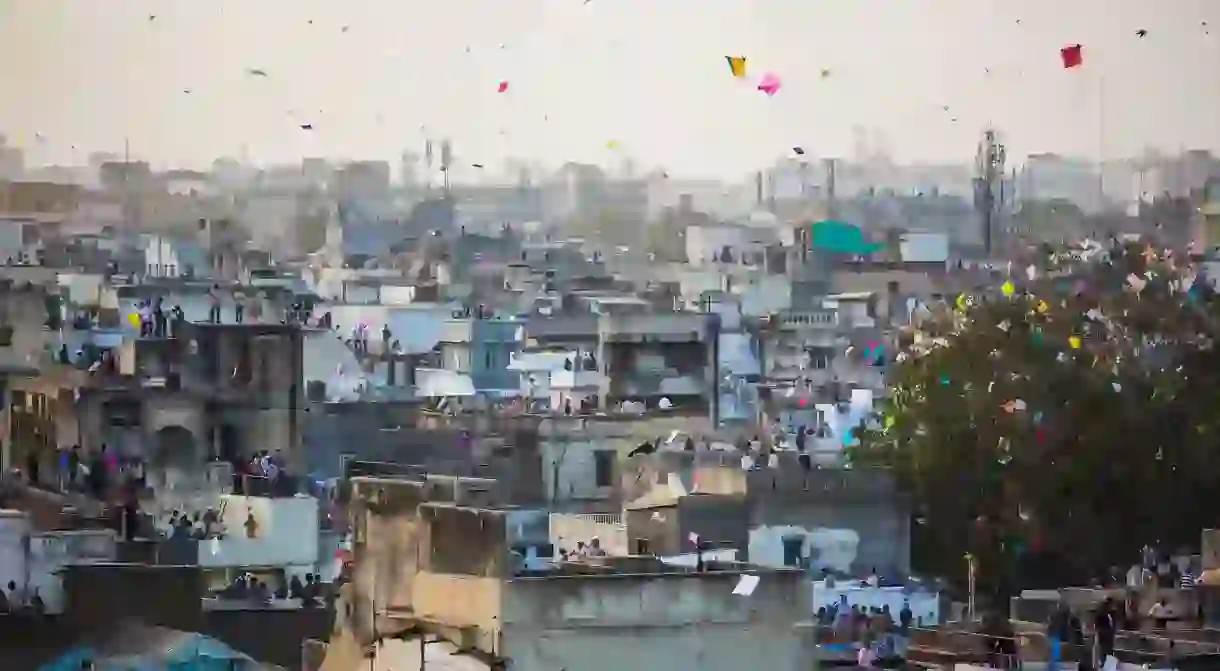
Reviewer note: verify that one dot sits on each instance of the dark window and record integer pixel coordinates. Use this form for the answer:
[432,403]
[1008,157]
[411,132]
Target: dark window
[639,546]
[793,546]
[603,468]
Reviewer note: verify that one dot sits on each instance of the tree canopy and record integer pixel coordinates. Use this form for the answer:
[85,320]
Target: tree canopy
[1070,412]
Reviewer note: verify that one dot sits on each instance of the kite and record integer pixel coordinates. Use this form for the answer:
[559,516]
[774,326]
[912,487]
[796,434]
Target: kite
[1141,33]
[799,151]
[306,126]
[1072,55]
[769,84]
[255,72]
[612,144]
[503,87]
[737,65]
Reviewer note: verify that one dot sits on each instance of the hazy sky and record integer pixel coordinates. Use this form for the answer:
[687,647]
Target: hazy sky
[647,74]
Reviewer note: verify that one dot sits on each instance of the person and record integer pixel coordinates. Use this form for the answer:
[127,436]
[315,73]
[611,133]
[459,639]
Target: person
[312,591]
[214,303]
[296,590]
[1135,577]
[1105,628]
[146,319]
[1160,613]
[4,607]
[239,306]
[31,466]
[595,548]
[73,466]
[1058,633]
[251,525]
[905,616]
[37,605]
[16,600]
[159,321]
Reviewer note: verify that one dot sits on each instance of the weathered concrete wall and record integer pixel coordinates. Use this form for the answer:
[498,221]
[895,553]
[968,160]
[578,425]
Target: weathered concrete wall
[386,527]
[461,602]
[782,501]
[441,561]
[669,621]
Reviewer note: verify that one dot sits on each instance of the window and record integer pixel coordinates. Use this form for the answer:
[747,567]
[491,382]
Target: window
[639,546]
[793,550]
[603,468]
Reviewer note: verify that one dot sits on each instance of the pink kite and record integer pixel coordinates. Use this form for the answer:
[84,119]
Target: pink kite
[503,87]
[769,84]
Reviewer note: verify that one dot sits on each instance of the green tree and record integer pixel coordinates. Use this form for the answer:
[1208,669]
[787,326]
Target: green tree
[1074,416]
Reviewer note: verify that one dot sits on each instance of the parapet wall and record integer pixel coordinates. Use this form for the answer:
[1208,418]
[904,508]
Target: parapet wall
[655,621]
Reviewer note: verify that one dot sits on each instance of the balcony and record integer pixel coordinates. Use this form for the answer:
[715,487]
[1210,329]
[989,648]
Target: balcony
[805,319]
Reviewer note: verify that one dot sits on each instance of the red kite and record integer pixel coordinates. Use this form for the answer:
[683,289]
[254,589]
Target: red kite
[1073,55]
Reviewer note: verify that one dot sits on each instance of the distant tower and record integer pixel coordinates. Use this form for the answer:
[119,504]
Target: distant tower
[988,184]
[446,162]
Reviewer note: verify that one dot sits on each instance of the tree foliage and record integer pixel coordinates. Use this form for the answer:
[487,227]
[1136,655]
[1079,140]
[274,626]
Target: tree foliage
[1071,413]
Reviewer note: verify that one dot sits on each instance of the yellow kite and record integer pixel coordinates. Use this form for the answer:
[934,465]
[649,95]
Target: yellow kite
[737,65]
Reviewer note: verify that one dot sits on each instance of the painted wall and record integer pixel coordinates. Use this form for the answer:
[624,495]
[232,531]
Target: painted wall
[879,532]
[834,549]
[287,533]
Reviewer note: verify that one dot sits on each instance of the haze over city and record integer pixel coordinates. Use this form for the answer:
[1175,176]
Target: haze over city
[602,80]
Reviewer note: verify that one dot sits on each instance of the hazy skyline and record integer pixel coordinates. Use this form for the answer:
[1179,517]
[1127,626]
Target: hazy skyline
[647,75]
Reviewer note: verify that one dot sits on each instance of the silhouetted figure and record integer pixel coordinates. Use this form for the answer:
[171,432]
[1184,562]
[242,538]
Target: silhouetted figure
[295,589]
[159,320]
[31,467]
[214,303]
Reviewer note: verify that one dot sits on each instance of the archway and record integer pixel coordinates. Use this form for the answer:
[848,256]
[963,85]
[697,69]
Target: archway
[174,447]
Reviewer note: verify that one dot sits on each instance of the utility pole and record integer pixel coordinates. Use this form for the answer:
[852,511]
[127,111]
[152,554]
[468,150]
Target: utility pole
[832,204]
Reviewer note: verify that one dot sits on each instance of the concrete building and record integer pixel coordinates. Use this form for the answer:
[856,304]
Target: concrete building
[848,521]
[436,559]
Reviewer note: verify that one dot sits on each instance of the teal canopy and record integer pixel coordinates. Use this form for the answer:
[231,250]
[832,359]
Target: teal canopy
[840,237]
[156,649]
